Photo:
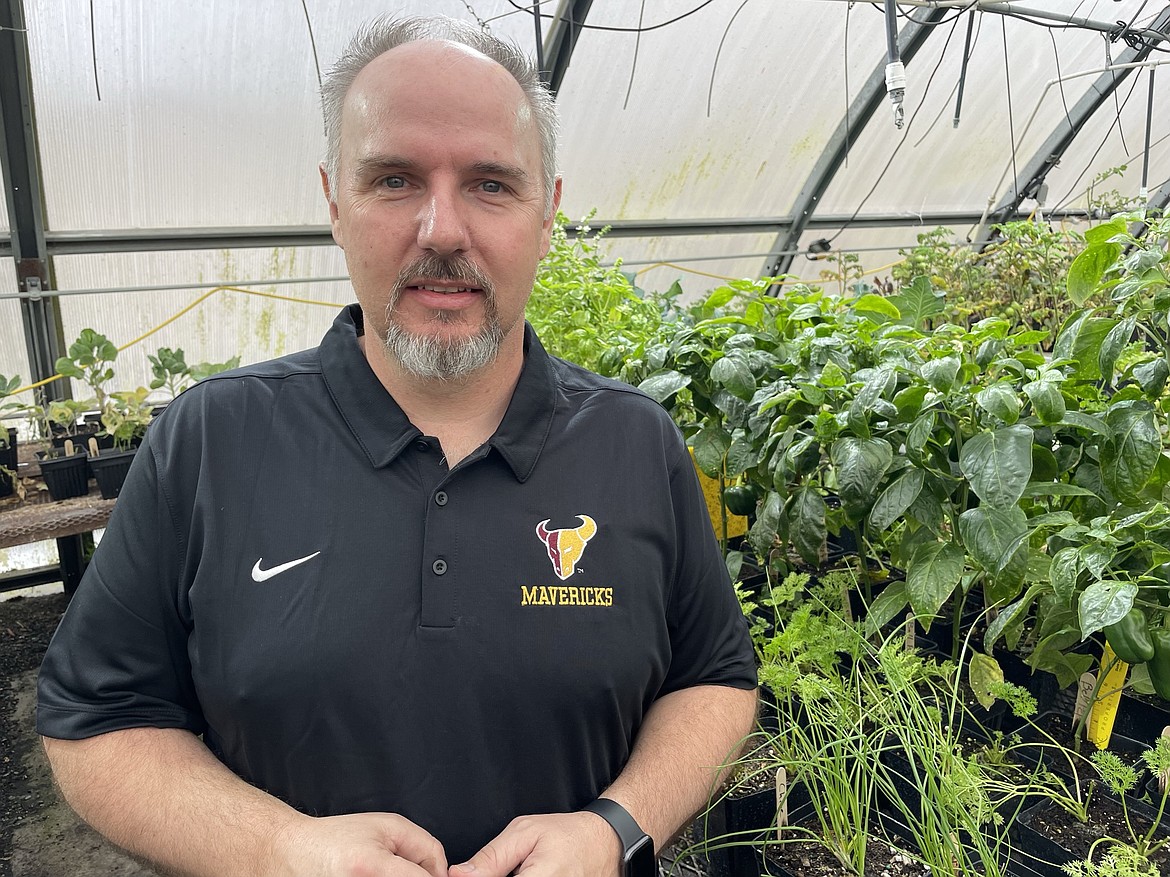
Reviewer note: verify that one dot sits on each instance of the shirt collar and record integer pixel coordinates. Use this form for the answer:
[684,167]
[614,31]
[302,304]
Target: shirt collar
[382,428]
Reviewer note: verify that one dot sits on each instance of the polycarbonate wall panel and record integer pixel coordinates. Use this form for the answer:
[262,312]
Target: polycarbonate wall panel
[13,358]
[209,112]
[1105,143]
[777,93]
[224,325]
[698,262]
[940,167]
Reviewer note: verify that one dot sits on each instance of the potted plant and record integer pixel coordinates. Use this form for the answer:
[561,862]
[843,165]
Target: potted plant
[90,360]
[8,450]
[125,419]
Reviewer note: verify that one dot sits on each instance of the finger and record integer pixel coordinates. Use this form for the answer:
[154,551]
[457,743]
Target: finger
[502,855]
[415,844]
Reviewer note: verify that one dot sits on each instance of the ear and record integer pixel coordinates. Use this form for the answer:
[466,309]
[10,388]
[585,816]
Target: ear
[331,200]
[546,227]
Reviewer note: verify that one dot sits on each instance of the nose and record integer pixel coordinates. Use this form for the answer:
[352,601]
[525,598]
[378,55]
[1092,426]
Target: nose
[442,225]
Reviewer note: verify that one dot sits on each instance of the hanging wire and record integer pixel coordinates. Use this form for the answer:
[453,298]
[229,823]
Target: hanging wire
[312,41]
[93,51]
[1116,106]
[1060,79]
[1011,121]
[963,70]
[905,133]
[848,132]
[1097,151]
[634,63]
[943,108]
[718,51]
[1149,126]
[638,29]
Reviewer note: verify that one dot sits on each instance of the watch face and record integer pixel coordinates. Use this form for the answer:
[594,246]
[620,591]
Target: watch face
[639,859]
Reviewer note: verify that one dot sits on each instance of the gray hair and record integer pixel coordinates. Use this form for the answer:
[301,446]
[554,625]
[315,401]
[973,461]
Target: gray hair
[387,32]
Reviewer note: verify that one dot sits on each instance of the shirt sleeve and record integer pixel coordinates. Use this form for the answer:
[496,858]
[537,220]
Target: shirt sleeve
[710,643]
[119,657]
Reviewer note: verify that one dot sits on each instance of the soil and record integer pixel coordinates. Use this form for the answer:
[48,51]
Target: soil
[810,859]
[1106,819]
[39,835]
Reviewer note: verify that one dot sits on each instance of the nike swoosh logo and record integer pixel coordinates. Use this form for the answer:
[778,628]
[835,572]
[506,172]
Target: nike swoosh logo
[263,575]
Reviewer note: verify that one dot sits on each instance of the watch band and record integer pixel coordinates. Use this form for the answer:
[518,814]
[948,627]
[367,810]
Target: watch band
[619,819]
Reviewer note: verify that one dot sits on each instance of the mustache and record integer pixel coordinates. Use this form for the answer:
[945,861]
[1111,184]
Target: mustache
[454,268]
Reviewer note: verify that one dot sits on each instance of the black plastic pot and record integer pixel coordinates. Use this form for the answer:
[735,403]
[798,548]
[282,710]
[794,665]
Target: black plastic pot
[8,461]
[740,822]
[110,470]
[65,477]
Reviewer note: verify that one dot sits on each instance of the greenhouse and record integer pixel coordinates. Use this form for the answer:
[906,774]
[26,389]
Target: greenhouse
[891,280]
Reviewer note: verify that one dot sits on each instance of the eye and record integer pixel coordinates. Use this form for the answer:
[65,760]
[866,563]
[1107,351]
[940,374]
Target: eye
[492,187]
[394,182]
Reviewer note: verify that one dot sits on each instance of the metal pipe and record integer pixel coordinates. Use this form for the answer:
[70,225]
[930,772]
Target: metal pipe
[963,72]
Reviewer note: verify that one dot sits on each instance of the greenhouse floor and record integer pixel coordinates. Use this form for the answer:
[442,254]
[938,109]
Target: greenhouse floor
[39,835]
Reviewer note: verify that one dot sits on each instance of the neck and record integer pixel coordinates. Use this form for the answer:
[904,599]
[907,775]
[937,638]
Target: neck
[462,414]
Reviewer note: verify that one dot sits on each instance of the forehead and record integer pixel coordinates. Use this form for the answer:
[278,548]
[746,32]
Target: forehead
[441,90]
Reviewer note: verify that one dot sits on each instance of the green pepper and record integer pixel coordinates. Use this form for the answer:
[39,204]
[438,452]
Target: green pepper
[1130,638]
[1159,665]
[740,500]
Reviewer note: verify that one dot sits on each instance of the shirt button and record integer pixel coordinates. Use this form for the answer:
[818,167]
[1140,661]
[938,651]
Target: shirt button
[439,567]
[422,446]
[441,498]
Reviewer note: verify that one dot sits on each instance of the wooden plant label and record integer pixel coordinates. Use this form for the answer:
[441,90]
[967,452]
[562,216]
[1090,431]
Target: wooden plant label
[846,608]
[1164,776]
[911,637]
[1084,696]
[93,448]
[781,797]
[68,447]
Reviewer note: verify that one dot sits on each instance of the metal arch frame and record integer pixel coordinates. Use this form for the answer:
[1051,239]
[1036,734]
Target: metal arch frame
[20,163]
[1052,150]
[861,110]
[562,40]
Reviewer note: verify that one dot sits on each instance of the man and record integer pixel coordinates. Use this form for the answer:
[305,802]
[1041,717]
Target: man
[487,594]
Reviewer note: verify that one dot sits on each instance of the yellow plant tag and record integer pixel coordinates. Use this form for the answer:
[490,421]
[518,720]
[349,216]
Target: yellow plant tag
[1104,710]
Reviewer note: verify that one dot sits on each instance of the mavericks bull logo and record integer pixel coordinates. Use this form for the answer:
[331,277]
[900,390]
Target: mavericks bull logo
[566,546]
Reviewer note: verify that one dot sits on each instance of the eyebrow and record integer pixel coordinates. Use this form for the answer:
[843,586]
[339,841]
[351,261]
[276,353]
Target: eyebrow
[381,164]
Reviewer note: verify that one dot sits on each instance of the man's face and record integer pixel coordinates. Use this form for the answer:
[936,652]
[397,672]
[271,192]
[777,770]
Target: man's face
[439,205]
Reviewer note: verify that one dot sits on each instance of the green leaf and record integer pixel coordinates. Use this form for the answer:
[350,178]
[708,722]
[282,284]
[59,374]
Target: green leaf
[832,376]
[1151,376]
[1114,343]
[807,525]
[896,499]
[941,373]
[909,401]
[734,373]
[918,302]
[762,535]
[1104,603]
[710,446]
[887,606]
[998,464]
[1056,488]
[1087,269]
[1047,400]
[719,298]
[1128,461]
[1080,341]
[1009,615]
[663,385]
[741,456]
[1101,234]
[1000,400]
[992,535]
[933,573]
[860,465]
[876,304]
[983,673]
[1087,422]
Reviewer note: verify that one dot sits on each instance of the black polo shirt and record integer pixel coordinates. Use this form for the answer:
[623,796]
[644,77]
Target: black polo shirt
[293,571]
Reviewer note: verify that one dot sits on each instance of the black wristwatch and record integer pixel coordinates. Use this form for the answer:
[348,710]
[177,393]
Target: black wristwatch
[637,846]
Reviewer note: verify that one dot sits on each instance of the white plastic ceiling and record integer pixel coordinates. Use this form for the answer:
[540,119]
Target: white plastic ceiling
[166,114]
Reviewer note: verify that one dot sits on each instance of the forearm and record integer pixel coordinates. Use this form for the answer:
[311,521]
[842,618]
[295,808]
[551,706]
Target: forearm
[161,795]
[682,755]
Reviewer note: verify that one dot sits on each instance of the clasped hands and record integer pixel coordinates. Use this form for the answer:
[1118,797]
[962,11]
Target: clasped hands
[388,845]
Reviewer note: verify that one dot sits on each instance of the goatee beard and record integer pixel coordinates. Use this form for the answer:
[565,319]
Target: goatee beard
[437,358]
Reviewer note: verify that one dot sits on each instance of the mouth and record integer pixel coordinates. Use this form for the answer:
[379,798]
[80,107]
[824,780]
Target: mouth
[442,288]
